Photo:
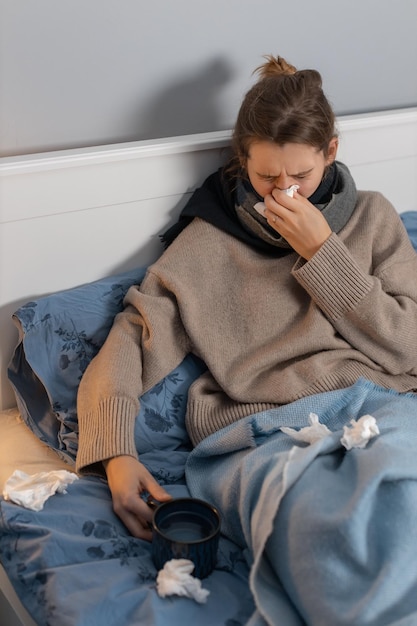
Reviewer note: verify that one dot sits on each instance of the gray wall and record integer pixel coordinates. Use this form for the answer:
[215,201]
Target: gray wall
[87,72]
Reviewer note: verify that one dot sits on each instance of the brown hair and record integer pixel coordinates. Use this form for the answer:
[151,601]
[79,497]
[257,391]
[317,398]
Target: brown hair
[284,106]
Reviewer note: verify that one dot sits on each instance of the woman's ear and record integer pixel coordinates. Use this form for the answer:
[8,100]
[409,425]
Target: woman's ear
[332,150]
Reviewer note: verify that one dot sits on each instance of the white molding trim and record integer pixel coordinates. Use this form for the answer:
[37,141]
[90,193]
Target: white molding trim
[114,152]
[400,120]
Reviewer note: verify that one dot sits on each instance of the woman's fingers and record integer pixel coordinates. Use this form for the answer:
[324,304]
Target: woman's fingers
[298,221]
[136,521]
[128,479]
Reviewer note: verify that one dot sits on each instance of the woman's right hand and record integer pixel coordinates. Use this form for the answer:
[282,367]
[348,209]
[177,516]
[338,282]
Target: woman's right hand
[127,479]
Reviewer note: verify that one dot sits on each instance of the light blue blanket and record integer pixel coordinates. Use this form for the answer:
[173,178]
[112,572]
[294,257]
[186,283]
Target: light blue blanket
[331,533]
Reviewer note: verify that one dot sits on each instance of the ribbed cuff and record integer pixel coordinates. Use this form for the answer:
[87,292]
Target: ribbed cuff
[333,278]
[106,433]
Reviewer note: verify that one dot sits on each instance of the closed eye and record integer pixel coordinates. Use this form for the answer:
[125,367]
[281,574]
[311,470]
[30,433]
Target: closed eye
[302,175]
[271,179]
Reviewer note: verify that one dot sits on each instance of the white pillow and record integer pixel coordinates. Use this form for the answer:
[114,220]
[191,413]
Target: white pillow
[21,449]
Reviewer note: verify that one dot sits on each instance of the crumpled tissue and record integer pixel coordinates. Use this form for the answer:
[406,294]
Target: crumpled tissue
[175,579]
[356,435]
[308,434]
[32,490]
[290,191]
[359,432]
[260,206]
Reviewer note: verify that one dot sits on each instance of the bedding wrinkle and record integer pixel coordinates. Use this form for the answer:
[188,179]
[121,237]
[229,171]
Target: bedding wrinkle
[330,529]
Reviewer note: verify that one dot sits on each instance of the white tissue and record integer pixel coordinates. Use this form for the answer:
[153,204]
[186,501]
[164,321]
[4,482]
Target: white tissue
[260,206]
[308,434]
[355,435]
[175,579]
[290,190]
[359,432]
[32,491]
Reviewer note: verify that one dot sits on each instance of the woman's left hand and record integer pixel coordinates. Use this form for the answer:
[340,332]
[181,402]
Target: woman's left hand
[298,221]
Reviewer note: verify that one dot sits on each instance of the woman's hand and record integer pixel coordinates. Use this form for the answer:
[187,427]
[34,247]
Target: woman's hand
[298,221]
[128,478]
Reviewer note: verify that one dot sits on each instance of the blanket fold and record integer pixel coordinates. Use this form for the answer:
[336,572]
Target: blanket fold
[330,531]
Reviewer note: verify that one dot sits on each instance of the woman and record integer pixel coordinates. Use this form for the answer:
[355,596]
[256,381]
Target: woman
[283,294]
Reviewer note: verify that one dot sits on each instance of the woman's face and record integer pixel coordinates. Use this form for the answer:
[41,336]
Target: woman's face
[270,166]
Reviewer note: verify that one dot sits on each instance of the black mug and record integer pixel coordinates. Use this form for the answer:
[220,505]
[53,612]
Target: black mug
[185,528]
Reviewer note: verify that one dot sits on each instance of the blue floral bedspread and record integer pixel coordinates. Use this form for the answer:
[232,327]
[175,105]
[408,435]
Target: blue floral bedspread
[75,564]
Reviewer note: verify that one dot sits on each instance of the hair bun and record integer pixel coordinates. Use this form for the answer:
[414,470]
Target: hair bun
[275,66]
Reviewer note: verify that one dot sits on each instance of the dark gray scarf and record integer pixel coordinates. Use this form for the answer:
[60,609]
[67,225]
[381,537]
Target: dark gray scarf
[228,204]
[335,198]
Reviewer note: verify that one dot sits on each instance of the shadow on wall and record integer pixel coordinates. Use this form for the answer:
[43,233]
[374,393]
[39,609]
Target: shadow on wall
[188,106]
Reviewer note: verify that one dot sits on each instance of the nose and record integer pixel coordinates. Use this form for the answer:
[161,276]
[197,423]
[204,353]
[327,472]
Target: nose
[283,182]
[282,186]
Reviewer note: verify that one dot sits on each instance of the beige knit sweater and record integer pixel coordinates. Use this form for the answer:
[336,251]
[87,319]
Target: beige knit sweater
[271,330]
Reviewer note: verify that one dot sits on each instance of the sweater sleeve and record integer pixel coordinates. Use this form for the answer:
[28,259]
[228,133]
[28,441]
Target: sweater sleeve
[146,342]
[375,310]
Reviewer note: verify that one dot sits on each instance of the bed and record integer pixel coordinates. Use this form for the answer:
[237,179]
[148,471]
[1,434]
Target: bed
[77,227]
